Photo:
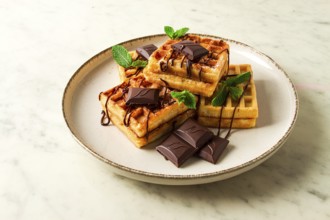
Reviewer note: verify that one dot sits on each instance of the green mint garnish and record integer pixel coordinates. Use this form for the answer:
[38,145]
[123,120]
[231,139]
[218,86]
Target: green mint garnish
[234,81]
[230,87]
[124,59]
[175,34]
[139,63]
[220,96]
[185,97]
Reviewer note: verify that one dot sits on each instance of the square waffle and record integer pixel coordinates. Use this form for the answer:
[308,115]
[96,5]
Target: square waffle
[143,124]
[246,112]
[200,76]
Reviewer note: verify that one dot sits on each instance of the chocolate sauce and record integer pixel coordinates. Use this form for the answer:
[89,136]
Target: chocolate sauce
[137,71]
[128,113]
[219,124]
[238,101]
[163,66]
[165,92]
[105,117]
[200,74]
[105,114]
[147,125]
[189,64]
[182,61]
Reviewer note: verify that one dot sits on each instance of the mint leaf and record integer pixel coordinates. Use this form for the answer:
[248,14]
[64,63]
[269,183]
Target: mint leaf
[235,92]
[169,31]
[230,87]
[185,97]
[121,56]
[181,32]
[175,34]
[139,63]
[221,96]
[234,81]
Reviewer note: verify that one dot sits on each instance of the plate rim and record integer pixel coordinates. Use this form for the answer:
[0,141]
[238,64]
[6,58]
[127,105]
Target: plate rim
[256,161]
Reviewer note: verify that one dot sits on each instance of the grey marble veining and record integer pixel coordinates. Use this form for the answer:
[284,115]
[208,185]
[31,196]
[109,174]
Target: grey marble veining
[45,174]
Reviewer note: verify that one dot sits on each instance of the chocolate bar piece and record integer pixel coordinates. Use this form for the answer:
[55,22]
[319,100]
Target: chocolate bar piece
[176,150]
[142,96]
[146,51]
[213,149]
[194,134]
[190,49]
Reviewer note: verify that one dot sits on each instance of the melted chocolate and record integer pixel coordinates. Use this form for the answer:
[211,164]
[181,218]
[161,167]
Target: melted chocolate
[105,119]
[238,101]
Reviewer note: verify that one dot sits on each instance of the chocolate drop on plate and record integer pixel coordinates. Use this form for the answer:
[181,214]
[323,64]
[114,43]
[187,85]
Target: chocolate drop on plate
[212,151]
[142,97]
[194,134]
[193,51]
[146,51]
[176,150]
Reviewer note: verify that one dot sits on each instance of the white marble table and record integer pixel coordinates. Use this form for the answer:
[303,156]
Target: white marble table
[45,174]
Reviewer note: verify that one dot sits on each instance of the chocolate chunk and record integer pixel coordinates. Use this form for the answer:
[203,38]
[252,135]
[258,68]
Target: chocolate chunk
[194,134]
[142,96]
[213,149]
[193,51]
[176,150]
[146,51]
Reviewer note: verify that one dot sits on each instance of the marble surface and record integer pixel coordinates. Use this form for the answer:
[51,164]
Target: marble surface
[45,174]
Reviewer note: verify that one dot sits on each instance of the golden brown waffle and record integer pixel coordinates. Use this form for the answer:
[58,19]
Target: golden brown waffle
[126,73]
[141,124]
[205,73]
[246,112]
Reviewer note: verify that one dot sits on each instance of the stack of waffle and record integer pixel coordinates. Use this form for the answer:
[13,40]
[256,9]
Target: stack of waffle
[193,63]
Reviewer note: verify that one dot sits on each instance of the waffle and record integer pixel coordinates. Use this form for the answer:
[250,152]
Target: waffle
[246,112]
[126,73]
[143,124]
[201,77]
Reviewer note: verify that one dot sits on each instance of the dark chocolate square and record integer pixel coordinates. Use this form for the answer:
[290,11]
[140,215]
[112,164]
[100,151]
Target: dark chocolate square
[142,97]
[212,150]
[176,150]
[194,134]
[146,51]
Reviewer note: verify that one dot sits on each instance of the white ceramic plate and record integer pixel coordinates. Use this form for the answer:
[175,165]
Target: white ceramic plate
[278,107]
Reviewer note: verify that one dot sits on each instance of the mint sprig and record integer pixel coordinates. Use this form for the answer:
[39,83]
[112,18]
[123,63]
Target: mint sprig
[229,87]
[171,33]
[185,97]
[124,59]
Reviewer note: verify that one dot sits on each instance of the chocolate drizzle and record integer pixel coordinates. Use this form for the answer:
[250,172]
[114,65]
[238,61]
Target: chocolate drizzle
[147,124]
[233,115]
[105,119]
